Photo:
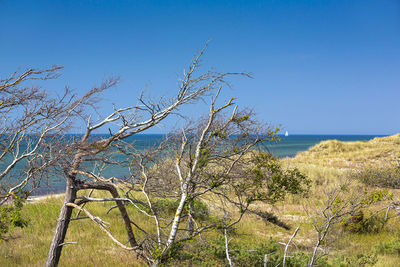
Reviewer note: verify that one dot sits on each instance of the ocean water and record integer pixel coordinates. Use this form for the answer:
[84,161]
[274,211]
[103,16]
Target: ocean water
[289,146]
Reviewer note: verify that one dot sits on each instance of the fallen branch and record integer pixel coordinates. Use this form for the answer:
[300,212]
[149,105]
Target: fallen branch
[68,243]
[102,227]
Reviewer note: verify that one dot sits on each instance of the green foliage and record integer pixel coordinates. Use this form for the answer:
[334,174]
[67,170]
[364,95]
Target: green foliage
[175,251]
[200,210]
[213,254]
[361,259]
[10,214]
[378,195]
[165,206]
[239,119]
[268,181]
[168,207]
[255,256]
[222,134]
[359,223]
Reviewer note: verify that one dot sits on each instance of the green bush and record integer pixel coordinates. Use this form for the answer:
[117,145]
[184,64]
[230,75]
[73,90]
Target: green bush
[214,254]
[165,206]
[10,214]
[169,206]
[359,223]
[255,256]
[361,259]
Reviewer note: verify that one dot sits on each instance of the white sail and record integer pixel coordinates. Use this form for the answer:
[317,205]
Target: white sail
[286,133]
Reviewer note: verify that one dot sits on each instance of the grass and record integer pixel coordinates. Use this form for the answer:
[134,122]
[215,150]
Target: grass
[353,155]
[326,164]
[332,161]
[29,246]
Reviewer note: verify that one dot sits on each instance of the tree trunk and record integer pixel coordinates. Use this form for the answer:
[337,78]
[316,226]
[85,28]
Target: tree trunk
[190,221]
[176,221]
[62,225]
[124,214]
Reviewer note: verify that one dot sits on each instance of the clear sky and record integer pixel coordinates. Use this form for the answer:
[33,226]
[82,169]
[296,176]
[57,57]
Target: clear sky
[319,67]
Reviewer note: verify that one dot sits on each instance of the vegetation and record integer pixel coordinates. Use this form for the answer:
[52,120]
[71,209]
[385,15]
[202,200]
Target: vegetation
[363,238]
[376,152]
[384,177]
[10,215]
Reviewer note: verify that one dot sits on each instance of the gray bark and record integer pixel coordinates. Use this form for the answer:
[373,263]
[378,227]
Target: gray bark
[62,225]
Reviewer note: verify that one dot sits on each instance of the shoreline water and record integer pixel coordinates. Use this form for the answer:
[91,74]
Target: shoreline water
[289,146]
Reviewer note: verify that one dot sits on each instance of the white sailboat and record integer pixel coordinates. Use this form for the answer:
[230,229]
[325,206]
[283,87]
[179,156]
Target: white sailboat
[286,133]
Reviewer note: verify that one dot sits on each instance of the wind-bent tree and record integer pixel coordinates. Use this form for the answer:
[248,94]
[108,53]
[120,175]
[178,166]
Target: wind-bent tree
[130,121]
[213,161]
[29,116]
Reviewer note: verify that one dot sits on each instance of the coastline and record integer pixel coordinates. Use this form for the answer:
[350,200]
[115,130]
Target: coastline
[34,199]
[286,149]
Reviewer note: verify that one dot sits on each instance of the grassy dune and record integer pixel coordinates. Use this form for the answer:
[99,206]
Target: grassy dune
[331,162]
[334,153]
[326,164]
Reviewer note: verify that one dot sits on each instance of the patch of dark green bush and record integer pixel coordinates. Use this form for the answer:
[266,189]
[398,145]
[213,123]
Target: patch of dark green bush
[10,214]
[363,223]
[213,253]
[361,259]
[169,206]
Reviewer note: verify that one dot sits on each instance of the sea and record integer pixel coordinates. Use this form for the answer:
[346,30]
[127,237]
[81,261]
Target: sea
[288,146]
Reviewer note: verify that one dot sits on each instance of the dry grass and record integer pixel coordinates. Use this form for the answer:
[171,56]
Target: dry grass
[330,162]
[334,153]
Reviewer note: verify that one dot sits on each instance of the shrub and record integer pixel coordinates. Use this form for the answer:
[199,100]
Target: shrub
[247,256]
[255,256]
[386,177]
[10,214]
[359,223]
[361,259]
[168,207]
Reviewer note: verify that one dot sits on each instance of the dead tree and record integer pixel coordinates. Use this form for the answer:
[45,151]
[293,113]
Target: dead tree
[30,117]
[130,121]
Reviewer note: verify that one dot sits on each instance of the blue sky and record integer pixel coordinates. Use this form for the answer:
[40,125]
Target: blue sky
[319,67]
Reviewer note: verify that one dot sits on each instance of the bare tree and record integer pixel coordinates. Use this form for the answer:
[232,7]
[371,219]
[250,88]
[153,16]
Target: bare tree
[211,160]
[130,121]
[30,116]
